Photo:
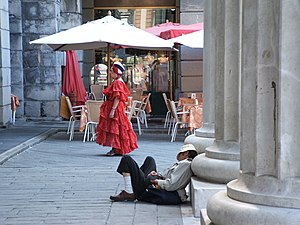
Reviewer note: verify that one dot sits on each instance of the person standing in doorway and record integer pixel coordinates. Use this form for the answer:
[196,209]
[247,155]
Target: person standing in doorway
[114,128]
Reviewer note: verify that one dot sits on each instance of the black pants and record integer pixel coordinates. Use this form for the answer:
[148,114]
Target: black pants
[138,174]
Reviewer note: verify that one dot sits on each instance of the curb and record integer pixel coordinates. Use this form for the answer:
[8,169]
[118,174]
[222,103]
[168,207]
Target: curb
[26,144]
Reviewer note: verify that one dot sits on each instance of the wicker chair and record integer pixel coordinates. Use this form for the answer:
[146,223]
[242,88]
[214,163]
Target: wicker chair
[93,108]
[176,119]
[75,116]
[96,92]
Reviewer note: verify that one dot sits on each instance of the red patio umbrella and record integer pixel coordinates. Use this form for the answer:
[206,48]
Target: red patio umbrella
[180,30]
[157,29]
[170,30]
[72,85]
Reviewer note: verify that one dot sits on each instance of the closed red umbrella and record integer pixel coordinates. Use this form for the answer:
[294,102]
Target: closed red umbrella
[72,85]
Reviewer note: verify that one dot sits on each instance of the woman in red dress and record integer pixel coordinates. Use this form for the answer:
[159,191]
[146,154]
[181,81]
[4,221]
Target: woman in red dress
[114,128]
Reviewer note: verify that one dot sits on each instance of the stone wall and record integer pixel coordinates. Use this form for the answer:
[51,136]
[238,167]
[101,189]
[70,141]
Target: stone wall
[5,67]
[88,55]
[16,54]
[33,72]
[42,71]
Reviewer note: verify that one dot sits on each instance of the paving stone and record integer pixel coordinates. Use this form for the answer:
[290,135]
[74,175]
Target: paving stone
[62,182]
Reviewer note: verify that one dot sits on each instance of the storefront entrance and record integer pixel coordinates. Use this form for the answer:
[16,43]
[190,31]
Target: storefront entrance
[149,71]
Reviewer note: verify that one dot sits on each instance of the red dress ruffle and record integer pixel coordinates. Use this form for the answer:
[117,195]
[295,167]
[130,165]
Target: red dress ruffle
[116,132]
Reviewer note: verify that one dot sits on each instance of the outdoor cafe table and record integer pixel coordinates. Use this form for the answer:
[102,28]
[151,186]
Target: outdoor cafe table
[188,101]
[194,118]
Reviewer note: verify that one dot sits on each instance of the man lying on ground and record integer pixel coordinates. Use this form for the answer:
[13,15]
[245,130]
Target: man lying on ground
[146,184]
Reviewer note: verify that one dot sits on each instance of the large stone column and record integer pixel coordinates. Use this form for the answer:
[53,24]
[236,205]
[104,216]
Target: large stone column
[5,66]
[204,136]
[220,162]
[16,52]
[267,190]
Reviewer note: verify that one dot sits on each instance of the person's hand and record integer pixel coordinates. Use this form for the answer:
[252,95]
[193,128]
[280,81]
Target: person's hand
[154,182]
[112,113]
[152,173]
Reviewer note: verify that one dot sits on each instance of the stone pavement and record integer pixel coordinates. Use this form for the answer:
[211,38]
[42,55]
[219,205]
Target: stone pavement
[54,181]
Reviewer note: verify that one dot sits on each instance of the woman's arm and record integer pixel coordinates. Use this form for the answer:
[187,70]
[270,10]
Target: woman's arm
[113,108]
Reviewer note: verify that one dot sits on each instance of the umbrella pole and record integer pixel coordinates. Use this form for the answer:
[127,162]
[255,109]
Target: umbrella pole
[171,77]
[108,64]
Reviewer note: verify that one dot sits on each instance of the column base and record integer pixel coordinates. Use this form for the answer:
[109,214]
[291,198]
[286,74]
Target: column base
[207,130]
[204,220]
[200,192]
[265,190]
[223,210]
[215,170]
[200,143]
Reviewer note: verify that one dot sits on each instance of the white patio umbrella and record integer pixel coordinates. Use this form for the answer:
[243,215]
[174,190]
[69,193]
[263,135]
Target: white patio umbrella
[192,40]
[99,33]
[104,33]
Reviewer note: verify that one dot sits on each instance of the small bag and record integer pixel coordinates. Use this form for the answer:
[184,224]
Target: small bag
[160,196]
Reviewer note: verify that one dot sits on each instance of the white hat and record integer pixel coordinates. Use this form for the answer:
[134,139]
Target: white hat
[187,147]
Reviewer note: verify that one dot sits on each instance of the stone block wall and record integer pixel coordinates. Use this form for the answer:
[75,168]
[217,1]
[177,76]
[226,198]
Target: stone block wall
[41,65]
[5,66]
[87,55]
[16,54]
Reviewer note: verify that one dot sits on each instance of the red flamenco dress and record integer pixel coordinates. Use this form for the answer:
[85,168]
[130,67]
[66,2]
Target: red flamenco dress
[116,132]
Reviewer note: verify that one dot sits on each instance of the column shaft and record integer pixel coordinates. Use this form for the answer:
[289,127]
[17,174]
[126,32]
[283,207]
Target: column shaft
[220,163]
[209,61]
[267,190]
[289,129]
[204,136]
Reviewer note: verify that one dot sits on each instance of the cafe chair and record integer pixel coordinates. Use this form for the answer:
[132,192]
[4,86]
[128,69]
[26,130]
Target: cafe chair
[143,116]
[96,92]
[168,114]
[93,110]
[134,113]
[176,119]
[75,112]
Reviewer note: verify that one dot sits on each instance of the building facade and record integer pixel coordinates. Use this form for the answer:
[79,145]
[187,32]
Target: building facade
[34,73]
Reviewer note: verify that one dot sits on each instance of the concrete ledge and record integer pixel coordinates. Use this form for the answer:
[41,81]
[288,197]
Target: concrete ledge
[21,147]
[201,191]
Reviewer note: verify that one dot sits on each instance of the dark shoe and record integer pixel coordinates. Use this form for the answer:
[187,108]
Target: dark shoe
[123,196]
[111,153]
